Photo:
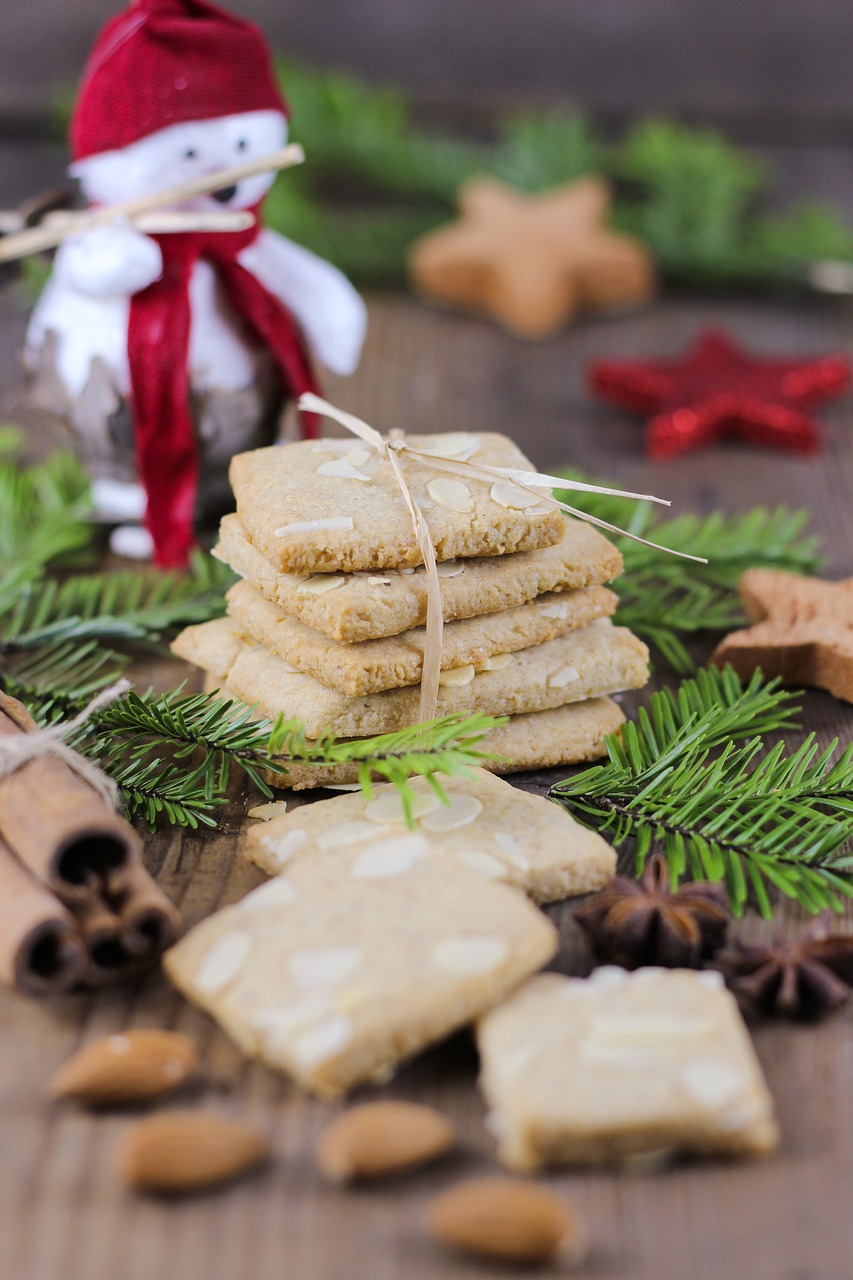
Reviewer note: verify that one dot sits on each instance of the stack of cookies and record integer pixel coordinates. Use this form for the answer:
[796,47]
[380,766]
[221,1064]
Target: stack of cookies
[327,622]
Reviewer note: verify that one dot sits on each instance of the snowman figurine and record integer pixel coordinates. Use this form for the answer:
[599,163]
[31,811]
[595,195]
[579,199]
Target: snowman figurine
[169,353]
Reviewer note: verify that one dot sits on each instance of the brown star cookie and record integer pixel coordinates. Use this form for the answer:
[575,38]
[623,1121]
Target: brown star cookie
[532,262]
[803,631]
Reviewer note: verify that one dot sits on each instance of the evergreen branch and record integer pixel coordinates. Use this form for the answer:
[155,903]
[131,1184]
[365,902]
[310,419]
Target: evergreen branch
[664,614]
[44,510]
[733,544]
[450,746]
[666,600]
[52,632]
[157,735]
[677,779]
[63,669]
[46,706]
[690,195]
[126,605]
[152,789]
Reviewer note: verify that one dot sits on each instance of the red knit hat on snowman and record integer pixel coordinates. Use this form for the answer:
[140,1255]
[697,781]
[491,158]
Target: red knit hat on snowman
[157,64]
[165,62]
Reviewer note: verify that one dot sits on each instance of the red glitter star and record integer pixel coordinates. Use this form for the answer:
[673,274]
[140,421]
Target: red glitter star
[717,391]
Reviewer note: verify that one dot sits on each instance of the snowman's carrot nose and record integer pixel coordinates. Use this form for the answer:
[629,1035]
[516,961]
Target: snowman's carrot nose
[36,239]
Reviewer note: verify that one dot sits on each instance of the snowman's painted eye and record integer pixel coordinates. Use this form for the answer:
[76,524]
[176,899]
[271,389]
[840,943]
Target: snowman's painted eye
[190,153]
[242,144]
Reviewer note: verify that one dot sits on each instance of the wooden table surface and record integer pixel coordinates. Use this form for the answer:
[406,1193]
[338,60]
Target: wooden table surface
[63,1214]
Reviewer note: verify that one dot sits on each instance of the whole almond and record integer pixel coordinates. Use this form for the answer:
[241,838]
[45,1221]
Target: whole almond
[378,1138]
[188,1150]
[501,1218]
[130,1067]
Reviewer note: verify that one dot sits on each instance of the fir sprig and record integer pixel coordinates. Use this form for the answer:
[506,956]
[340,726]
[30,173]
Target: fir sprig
[667,600]
[44,510]
[692,776]
[63,639]
[152,790]
[127,605]
[174,754]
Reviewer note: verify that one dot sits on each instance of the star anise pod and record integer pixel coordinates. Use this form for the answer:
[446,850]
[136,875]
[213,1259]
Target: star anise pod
[801,977]
[643,922]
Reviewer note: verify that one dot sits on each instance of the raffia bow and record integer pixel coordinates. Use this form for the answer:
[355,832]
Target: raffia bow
[20,748]
[394,447]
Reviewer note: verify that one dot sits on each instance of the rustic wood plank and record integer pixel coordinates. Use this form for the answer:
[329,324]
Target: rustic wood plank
[62,1213]
[768,69]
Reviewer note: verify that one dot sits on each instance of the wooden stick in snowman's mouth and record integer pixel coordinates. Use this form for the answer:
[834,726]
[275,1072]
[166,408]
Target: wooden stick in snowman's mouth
[168,221]
[48,236]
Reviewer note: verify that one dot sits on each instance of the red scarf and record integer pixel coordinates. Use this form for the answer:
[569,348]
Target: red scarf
[158,350]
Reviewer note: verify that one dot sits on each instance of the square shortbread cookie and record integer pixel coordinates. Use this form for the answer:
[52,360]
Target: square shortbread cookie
[366,606]
[582,1071]
[328,505]
[538,740]
[600,659]
[375,665]
[489,827]
[357,959]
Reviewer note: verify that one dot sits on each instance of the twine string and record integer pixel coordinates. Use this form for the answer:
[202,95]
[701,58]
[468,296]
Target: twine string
[19,749]
[537,483]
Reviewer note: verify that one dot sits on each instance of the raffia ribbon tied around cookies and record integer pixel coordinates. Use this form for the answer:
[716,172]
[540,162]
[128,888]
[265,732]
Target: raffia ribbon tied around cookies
[393,448]
[19,750]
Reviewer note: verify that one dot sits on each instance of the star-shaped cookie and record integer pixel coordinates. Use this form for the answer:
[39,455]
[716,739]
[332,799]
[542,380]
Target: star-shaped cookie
[718,391]
[803,631]
[532,262]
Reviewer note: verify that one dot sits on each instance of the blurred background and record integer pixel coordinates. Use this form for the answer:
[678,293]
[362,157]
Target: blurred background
[773,74]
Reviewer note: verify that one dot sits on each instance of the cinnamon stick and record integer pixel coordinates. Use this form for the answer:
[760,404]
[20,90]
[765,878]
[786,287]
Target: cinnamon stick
[126,933]
[107,958]
[41,950]
[150,922]
[58,826]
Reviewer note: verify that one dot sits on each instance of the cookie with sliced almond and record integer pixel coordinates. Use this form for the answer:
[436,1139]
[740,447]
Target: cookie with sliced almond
[489,827]
[332,506]
[622,1066]
[358,957]
[598,659]
[481,644]
[367,606]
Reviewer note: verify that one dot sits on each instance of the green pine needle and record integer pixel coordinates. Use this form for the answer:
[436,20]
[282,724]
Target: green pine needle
[144,744]
[44,510]
[153,790]
[126,605]
[61,640]
[667,600]
[692,776]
